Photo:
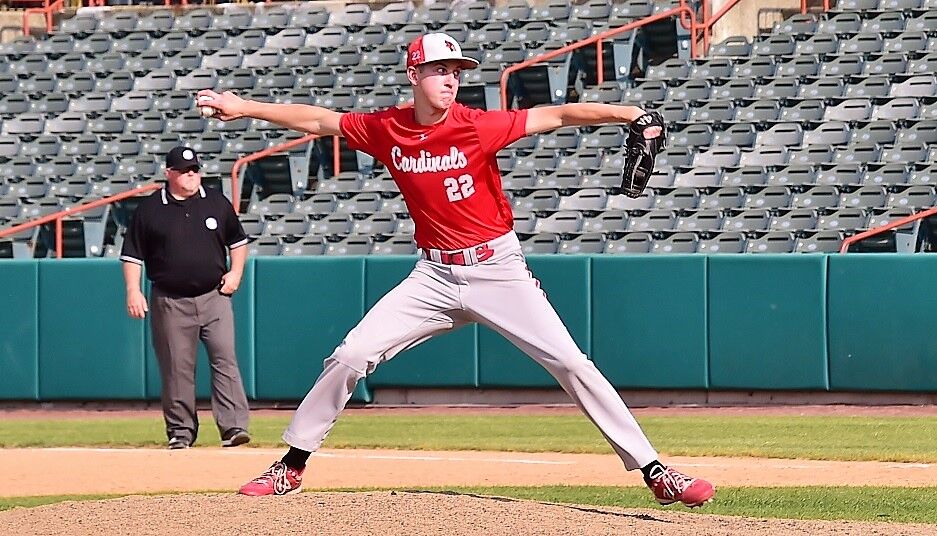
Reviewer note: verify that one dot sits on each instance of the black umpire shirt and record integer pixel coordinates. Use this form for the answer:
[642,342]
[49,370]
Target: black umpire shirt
[183,244]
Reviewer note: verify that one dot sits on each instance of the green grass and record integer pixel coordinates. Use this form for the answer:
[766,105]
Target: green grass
[905,505]
[907,439]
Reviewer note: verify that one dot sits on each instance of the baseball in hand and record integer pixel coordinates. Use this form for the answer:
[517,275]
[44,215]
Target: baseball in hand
[206,111]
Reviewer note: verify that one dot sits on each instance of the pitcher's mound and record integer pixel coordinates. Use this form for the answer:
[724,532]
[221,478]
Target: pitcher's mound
[387,513]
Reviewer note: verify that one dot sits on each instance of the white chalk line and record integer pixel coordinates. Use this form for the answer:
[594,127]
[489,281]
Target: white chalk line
[266,453]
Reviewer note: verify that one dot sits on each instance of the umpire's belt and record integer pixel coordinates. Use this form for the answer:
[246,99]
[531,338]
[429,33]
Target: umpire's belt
[462,257]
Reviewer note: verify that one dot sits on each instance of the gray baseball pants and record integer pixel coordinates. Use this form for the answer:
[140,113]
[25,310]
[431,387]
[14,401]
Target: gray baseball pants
[177,325]
[495,289]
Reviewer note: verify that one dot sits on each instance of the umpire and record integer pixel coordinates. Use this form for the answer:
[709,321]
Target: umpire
[182,234]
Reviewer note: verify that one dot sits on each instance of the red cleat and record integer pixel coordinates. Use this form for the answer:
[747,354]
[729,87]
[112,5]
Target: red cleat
[672,486]
[278,480]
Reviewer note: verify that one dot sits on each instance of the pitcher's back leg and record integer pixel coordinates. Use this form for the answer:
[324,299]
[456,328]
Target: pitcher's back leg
[417,309]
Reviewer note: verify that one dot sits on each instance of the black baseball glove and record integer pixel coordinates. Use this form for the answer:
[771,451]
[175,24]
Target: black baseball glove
[640,153]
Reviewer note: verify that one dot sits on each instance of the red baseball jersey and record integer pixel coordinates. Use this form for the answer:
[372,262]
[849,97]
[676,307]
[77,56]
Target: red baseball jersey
[448,172]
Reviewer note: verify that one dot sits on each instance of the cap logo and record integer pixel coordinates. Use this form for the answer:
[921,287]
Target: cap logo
[450,45]
[188,154]
[416,56]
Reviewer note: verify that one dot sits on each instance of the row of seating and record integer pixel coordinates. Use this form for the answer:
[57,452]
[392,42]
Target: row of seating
[599,199]
[856,22]
[476,39]
[589,243]
[822,44]
[764,155]
[356,16]
[878,6]
[856,101]
[698,145]
[575,222]
[881,68]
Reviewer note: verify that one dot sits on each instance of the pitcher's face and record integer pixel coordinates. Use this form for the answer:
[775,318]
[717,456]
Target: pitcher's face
[437,81]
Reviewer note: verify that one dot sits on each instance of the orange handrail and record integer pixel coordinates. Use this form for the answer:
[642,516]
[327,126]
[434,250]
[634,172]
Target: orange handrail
[803,6]
[59,216]
[887,227]
[596,39]
[235,180]
[47,9]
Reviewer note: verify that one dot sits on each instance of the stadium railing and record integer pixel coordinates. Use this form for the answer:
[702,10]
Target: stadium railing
[58,217]
[235,170]
[682,11]
[887,227]
[49,8]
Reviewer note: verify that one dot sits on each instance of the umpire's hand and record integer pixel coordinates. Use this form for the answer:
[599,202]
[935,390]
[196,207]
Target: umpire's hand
[230,283]
[136,304]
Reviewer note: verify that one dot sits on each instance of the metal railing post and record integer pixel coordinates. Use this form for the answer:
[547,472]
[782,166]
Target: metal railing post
[235,185]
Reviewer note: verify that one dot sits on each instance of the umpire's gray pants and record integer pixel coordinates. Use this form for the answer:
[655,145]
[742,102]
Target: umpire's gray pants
[177,325]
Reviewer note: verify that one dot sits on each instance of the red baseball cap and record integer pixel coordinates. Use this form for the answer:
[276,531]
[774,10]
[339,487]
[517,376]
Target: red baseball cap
[437,47]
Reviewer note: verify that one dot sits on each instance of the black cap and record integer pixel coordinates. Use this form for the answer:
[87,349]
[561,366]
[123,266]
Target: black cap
[181,157]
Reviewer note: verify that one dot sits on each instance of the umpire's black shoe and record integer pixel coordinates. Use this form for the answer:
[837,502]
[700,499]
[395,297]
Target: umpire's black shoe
[235,437]
[179,443]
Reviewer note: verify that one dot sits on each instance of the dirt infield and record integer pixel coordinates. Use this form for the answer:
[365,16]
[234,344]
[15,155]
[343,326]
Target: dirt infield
[80,470]
[390,514]
[396,514]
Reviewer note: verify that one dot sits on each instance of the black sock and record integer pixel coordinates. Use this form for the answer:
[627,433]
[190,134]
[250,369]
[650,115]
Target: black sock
[296,458]
[651,470]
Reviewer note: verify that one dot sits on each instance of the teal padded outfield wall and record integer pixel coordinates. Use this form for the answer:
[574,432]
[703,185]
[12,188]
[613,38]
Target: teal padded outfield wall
[857,322]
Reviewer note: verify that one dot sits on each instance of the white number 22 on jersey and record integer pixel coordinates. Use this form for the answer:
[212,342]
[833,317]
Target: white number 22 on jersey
[459,189]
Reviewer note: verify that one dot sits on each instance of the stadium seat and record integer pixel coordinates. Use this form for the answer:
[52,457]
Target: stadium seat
[232,19]
[560,179]
[722,243]
[805,25]
[352,245]
[914,197]
[395,245]
[820,242]
[287,225]
[916,86]
[772,242]
[264,246]
[564,221]
[606,222]
[744,176]
[271,19]
[676,243]
[713,112]
[13,104]
[702,220]
[586,243]
[731,46]
[721,198]
[897,109]
[654,220]
[705,176]
[711,69]
[792,175]
[630,243]
[380,223]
